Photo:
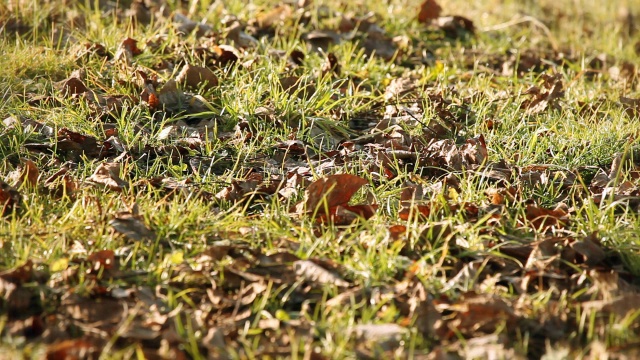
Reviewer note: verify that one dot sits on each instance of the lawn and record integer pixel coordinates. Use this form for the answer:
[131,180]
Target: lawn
[199,179]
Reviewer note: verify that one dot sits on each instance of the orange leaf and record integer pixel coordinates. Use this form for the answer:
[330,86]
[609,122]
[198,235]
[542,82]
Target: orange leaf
[429,10]
[30,173]
[541,218]
[334,189]
[102,259]
[395,231]
[346,214]
[416,209]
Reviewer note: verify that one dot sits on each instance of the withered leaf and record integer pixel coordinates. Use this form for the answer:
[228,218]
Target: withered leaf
[331,65]
[455,26]
[481,312]
[19,275]
[132,226]
[541,218]
[61,183]
[236,33]
[380,45]
[314,273]
[274,16]
[185,26]
[590,250]
[71,86]
[429,10]
[108,175]
[542,98]
[10,198]
[170,96]
[295,86]
[226,55]
[383,333]
[332,190]
[76,144]
[347,214]
[29,174]
[195,76]
[127,50]
[72,349]
[104,259]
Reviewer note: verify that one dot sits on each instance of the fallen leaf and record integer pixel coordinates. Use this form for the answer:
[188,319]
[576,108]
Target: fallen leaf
[108,175]
[75,145]
[332,191]
[71,86]
[546,96]
[429,10]
[127,50]
[275,15]
[193,77]
[10,198]
[132,226]
[241,39]
[104,259]
[590,249]
[455,26]
[541,218]
[72,349]
[380,45]
[19,275]
[185,26]
[314,273]
[29,174]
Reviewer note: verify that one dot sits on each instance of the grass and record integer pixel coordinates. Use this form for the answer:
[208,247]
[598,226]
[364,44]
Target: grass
[217,276]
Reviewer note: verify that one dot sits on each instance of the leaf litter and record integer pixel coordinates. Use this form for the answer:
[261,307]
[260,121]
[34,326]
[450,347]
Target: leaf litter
[414,140]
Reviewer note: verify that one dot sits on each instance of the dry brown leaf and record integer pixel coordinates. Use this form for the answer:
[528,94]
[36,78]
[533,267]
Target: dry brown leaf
[331,65]
[481,313]
[108,175]
[274,16]
[193,77]
[226,55]
[399,87]
[546,96]
[60,183]
[75,144]
[10,198]
[455,26]
[127,50]
[590,249]
[71,86]
[380,45]
[170,96]
[132,226]
[72,349]
[104,259]
[541,218]
[315,273]
[19,275]
[333,190]
[429,10]
[294,86]
[29,174]
[474,151]
[185,26]
[241,39]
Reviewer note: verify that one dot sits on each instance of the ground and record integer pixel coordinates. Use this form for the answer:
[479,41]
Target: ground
[316,179]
